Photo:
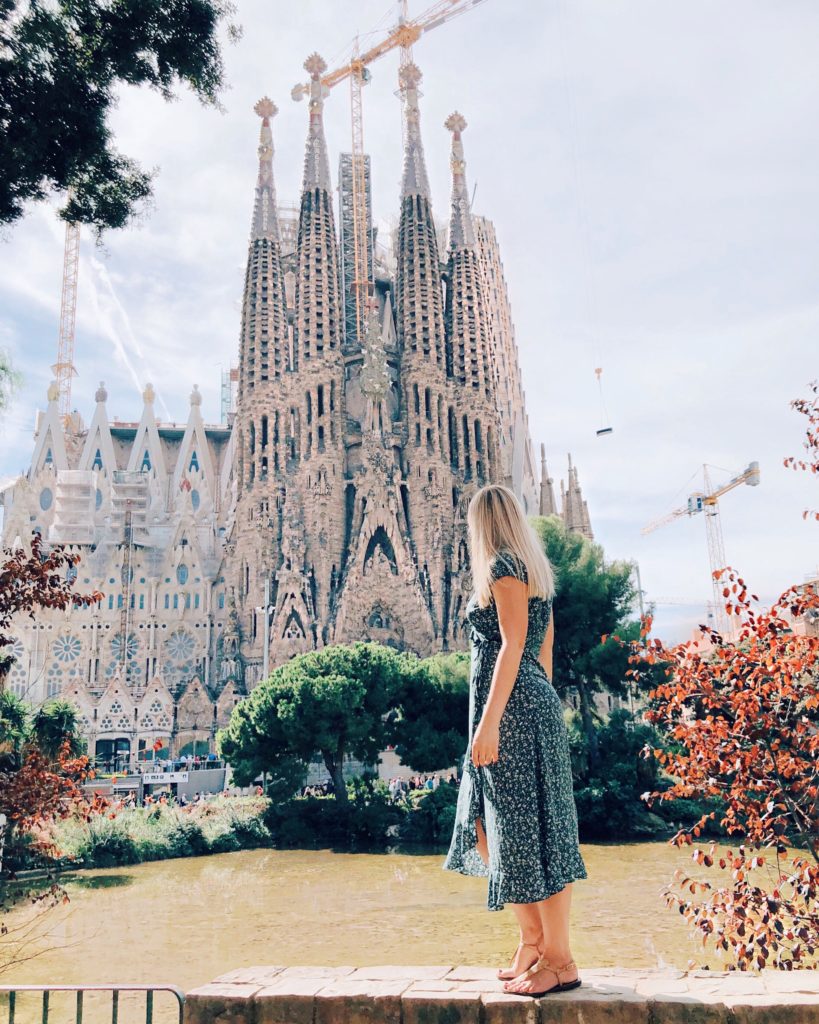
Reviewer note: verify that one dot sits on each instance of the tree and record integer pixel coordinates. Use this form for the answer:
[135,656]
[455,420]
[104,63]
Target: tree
[743,716]
[428,724]
[809,408]
[54,728]
[334,701]
[61,66]
[33,581]
[593,598]
[9,380]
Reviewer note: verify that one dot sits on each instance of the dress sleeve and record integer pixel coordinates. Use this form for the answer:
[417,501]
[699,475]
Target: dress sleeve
[507,564]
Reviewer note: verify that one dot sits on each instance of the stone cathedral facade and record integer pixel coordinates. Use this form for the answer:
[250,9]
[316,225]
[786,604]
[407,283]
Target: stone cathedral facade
[332,506]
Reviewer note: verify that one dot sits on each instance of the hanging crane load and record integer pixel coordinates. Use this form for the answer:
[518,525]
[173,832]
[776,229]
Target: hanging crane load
[707,501]
[607,428]
[403,35]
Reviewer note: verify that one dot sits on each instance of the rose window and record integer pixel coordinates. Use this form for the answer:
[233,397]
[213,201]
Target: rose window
[131,646]
[180,645]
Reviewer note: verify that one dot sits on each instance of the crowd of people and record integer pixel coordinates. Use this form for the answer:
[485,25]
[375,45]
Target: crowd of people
[399,788]
[189,762]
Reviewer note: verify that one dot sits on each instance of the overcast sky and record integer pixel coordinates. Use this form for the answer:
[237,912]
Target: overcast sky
[652,170]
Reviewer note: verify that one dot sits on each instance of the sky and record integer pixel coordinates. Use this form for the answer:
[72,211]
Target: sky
[652,170]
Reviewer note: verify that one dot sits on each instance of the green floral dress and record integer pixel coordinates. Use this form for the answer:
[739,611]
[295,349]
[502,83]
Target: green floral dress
[524,799]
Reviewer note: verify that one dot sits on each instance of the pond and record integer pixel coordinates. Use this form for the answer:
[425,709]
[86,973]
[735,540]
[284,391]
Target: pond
[186,921]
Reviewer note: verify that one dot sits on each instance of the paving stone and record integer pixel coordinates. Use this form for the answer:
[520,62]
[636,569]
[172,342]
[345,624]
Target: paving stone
[687,1010]
[797,1010]
[226,1003]
[661,986]
[779,982]
[289,1000]
[262,975]
[317,972]
[466,973]
[433,1007]
[507,1008]
[413,973]
[433,985]
[360,1001]
[735,984]
[588,1005]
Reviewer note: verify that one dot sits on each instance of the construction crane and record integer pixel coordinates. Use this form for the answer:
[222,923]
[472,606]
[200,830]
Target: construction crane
[404,35]
[707,501]
[63,369]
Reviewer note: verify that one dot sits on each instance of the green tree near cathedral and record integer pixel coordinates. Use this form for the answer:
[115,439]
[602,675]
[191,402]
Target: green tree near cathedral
[594,598]
[62,66]
[349,700]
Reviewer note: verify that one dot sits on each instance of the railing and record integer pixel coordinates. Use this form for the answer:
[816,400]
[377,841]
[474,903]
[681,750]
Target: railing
[12,990]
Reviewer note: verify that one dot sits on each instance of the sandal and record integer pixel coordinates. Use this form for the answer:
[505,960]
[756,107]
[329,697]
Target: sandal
[509,977]
[543,964]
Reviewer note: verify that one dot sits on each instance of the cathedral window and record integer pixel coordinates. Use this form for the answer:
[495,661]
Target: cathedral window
[49,459]
[167,601]
[46,499]
[478,437]
[321,438]
[119,600]
[195,500]
[416,399]
[264,431]
[309,408]
[428,403]
[196,601]
[110,602]
[182,574]
[175,601]
[141,602]
[320,400]
[194,463]
[221,601]
[187,600]
[98,499]
[97,463]
[252,441]
[146,461]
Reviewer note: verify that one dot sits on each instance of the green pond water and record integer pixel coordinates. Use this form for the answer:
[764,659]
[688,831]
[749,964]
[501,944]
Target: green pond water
[187,921]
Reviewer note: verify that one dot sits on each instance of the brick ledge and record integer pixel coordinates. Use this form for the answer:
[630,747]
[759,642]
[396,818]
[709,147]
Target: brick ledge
[473,995]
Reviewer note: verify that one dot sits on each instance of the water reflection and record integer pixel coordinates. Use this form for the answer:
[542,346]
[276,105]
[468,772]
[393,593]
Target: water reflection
[186,921]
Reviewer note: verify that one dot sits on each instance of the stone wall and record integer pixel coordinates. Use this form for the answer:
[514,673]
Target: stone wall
[473,995]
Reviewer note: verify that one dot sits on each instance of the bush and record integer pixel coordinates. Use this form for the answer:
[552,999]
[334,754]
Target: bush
[112,848]
[432,817]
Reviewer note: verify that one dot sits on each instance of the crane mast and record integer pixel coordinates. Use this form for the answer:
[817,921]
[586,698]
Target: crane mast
[403,35]
[707,501]
[63,369]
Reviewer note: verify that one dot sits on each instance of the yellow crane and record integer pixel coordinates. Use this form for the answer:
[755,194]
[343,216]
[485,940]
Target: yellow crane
[63,369]
[404,35]
[707,501]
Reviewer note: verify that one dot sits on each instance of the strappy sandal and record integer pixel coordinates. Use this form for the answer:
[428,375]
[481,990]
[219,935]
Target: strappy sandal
[543,964]
[511,976]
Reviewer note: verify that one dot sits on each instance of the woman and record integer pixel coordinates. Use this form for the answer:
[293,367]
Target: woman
[516,819]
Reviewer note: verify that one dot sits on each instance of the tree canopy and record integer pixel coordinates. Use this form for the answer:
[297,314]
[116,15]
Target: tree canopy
[61,66]
[594,598]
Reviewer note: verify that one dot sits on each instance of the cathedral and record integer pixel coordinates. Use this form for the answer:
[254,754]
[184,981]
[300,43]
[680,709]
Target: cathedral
[329,506]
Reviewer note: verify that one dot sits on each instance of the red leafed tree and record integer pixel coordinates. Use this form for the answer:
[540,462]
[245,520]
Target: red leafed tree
[742,717]
[809,407]
[33,580]
[34,788]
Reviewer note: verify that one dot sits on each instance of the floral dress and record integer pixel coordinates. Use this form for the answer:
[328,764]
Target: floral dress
[524,799]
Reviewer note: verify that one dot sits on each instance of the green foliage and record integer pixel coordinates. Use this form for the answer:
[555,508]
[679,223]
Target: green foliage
[14,724]
[432,818]
[335,701]
[428,724]
[10,381]
[54,724]
[68,62]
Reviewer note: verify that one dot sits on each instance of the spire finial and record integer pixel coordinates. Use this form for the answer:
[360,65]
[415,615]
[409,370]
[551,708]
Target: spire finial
[265,217]
[101,394]
[53,393]
[462,231]
[316,162]
[415,180]
[196,397]
[148,395]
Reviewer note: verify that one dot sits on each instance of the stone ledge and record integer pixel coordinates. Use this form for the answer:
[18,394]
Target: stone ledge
[473,995]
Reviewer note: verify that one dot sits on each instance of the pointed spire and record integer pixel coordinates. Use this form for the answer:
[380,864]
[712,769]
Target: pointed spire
[461,230]
[548,506]
[415,181]
[265,215]
[316,162]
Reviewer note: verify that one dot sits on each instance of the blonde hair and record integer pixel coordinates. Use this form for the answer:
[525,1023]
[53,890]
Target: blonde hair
[498,525]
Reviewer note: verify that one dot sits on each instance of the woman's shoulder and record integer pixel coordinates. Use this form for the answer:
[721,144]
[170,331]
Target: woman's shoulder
[506,563]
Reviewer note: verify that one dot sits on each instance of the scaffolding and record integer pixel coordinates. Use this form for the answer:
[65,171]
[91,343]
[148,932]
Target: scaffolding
[352,330]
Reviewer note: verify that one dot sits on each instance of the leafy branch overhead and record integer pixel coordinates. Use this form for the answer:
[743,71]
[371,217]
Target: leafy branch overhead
[62,65]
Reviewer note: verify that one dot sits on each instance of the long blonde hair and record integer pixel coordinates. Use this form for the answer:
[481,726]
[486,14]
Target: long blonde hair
[498,524]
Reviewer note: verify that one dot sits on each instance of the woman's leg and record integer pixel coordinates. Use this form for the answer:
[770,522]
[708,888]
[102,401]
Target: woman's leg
[483,845]
[554,918]
[531,940]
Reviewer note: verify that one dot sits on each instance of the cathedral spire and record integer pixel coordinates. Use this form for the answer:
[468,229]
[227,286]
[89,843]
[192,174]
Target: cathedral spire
[548,506]
[415,181]
[461,230]
[316,162]
[265,214]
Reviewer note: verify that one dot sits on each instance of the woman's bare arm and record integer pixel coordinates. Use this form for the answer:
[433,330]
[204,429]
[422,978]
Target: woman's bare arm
[512,603]
[547,647]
